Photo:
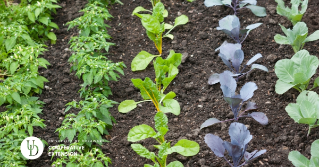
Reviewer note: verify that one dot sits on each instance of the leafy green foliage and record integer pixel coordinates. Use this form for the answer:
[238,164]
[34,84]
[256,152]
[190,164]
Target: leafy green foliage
[165,71]
[184,147]
[293,14]
[298,159]
[305,111]
[296,72]
[297,37]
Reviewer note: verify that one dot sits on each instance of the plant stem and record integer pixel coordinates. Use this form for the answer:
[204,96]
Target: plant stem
[228,162]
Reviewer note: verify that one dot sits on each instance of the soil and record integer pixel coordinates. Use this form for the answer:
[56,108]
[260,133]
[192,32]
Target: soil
[199,101]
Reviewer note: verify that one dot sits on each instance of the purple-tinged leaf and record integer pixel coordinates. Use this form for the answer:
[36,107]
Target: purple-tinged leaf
[209,122]
[228,84]
[213,79]
[235,32]
[251,106]
[234,151]
[225,60]
[258,66]
[237,59]
[259,117]
[215,144]
[228,49]
[253,59]
[239,134]
[233,102]
[250,156]
[247,91]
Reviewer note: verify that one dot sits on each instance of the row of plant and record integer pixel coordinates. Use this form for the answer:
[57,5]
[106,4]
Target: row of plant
[24,29]
[90,124]
[296,73]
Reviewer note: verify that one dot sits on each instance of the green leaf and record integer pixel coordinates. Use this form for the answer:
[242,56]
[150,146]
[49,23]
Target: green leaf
[169,36]
[13,67]
[170,95]
[308,121]
[257,10]
[151,23]
[31,16]
[176,163]
[298,159]
[315,148]
[314,162]
[37,12]
[284,70]
[158,11]
[181,20]
[148,89]
[30,130]
[307,110]
[171,106]
[43,62]
[10,43]
[139,9]
[142,151]
[70,164]
[313,37]
[127,106]
[161,120]
[16,97]
[165,13]
[190,147]
[168,26]
[82,136]
[141,61]
[293,111]
[98,164]
[70,134]
[140,132]
[51,36]
[281,40]
[44,20]
[51,24]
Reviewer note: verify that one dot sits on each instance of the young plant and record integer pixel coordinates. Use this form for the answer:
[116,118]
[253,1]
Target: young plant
[296,72]
[293,13]
[234,54]
[231,26]
[240,137]
[299,160]
[305,111]
[236,101]
[165,71]
[236,5]
[297,37]
[184,147]
[155,27]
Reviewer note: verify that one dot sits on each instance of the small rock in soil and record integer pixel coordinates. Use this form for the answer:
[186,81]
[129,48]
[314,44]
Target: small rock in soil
[203,35]
[196,131]
[202,161]
[47,101]
[268,102]
[184,57]
[184,43]
[272,58]
[189,86]
[128,90]
[272,9]
[200,106]
[284,150]
[66,80]
[174,41]
[248,126]
[272,21]
[181,158]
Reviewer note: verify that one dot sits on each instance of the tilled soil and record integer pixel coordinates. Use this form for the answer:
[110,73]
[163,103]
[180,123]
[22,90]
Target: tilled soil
[199,101]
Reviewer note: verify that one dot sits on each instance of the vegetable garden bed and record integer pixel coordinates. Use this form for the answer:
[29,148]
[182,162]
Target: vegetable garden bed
[197,40]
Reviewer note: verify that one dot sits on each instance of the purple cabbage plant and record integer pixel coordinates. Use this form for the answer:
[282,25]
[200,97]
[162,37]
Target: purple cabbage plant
[240,137]
[228,85]
[231,26]
[232,55]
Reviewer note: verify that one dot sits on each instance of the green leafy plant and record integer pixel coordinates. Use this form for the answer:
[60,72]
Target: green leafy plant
[184,147]
[305,111]
[297,37]
[155,27]
[293,13]
[298,159]
[165,71]
[296,72]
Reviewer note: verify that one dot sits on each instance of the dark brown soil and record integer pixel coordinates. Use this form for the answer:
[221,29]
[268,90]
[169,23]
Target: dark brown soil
[198,100]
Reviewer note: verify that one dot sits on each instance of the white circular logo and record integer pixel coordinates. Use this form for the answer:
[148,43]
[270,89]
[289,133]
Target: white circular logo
[32,148]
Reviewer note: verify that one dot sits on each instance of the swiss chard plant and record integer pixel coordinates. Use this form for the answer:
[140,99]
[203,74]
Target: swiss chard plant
[184,147]
[297,159]
[296,72]
[155,27]
[228,85]
[296,37]
[237,148]
[165,71]
[233,56]
[293,14]
[305,111]
[231,26]
[236,5]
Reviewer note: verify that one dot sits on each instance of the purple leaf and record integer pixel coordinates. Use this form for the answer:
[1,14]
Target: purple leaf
[234,102]
[260,67]
[250,156]
[209,122]
[213,79]
[225,60]
[239,134]
[251,106]
[215,144]
[228,84]
[247,91]
[234,151]
[259,117]
[237,59]
[253,59]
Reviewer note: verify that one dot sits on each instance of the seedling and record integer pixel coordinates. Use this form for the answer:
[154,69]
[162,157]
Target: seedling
[231,26]
[296,72]
[293,14]
[240,137]
[305,111]
[234,54]
[297,37]
[165,71]
[155,27]
[298,159]
[228,86]
[184,147]
[236,5]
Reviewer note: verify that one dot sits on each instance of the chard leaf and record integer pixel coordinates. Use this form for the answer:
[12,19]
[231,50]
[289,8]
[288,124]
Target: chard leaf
[168,26]
[170,106]
[215,144]
[158,11]
[247,91]
[298,159]
[151,23]
[214,78]
[190,147]
[160,121]
[139,9]
[141,61]
[127,106]
[260,117]
[148,89]
[175,164]
[209,122]
[142,151]
[169,36]
[250,156]
[140,132]
[253,59]
[180,20]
